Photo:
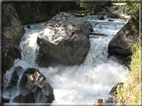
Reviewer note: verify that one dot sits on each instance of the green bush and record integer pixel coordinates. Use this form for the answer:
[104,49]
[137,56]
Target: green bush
[92,7]
[130,92]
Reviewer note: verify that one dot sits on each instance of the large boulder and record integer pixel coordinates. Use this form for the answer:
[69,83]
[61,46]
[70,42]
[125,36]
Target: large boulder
[34,88]
[65,40]
[12,31]
[123,41]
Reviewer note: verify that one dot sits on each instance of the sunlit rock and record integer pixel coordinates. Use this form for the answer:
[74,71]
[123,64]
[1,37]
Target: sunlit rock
[64,40]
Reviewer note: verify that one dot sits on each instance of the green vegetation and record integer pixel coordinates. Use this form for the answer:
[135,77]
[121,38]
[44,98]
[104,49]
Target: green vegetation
[92,7]
[130,8]
[130,92]
[108,8]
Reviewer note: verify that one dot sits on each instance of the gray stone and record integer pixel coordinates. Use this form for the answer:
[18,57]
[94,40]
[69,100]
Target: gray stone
[34,88]
[123,41]
[64,40]
[100,17]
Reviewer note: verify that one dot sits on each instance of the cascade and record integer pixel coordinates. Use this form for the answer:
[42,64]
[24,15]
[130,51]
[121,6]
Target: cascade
[78,84]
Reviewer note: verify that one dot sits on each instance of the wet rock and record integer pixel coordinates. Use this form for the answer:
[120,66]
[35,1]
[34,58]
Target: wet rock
[28,26]
[109,100]
[12,31]
[64,40]
[12,86]
[15,75]
[9,55]
[5,100]
[115,88]
[25,99]
[110,20]
[34,88]
[100,17]
[112,15]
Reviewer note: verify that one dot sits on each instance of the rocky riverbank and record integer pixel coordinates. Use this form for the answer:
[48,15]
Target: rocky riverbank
[64,40]
[12,32]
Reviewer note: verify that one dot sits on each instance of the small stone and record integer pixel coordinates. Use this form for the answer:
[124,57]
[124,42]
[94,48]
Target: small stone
[98,102]
[110,20]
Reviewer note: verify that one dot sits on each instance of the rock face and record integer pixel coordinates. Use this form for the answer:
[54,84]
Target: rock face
[123,41]
[34,88]
[12,31]
[64,40]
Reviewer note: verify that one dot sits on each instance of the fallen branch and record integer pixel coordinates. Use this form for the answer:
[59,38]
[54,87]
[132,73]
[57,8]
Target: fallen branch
[99,34]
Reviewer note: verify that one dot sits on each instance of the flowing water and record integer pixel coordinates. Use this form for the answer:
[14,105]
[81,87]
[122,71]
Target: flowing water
[78,84]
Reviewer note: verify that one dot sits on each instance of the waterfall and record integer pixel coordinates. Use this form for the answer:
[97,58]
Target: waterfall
[78,84]
[28,45]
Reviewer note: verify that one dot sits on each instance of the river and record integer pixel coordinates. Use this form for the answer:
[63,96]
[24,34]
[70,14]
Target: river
[78,84]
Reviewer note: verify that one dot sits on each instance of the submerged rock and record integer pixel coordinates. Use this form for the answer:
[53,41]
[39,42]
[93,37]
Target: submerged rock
[16,75]
[5,100]
[101,17]
[34,88]
[65,40]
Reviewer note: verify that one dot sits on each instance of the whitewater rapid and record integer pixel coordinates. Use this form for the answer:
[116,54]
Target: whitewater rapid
[77,84]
